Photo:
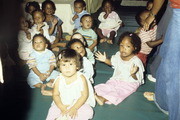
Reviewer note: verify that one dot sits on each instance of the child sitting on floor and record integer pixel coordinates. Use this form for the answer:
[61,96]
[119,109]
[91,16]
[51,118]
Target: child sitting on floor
[88,32]
[42,63]
[148,38]
[79,11]
[109,23]
[128,71]
[79,47]
[90,55]
[49,9]
[24,40]
[29,8]
[71,94]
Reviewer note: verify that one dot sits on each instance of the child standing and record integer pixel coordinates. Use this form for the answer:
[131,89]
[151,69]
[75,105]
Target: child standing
[70,93]
[49,9]
[88,32]
[109,23]
[148,38]
[128,71]
[24,40]
[79,47]
[79,11]
[90,55]
[42,63]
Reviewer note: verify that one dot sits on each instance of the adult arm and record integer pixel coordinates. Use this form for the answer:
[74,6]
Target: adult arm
[157,4]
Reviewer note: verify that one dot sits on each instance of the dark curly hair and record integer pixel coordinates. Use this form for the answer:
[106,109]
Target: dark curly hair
[34,4]
[135,40]
[48,2]
[81,2]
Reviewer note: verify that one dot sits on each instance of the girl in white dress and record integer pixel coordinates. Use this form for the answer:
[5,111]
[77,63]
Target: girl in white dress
[71,90]
[128,71]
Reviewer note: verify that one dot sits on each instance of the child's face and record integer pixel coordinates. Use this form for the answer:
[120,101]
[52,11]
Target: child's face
[38,17]
[143,17]
[39,44]
[108,8]
[149,6]
[31,9]
[126,48]
[78,7]
[80,37]
[49,9]
[79,48]
[69,68]
[23,24]
[86,22]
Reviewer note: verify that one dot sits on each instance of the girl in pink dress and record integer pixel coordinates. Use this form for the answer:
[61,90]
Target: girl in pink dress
[128,71]
[71,97]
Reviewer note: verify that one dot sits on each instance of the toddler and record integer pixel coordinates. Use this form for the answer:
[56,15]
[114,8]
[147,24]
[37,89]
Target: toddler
[109,23]
[128,71]
[42,27]
[49,9]
[90,55]
[79,47]
[42,63]
[29,8]
[88,32]
[148,38]
[24,40]
[71,96]
[79,11]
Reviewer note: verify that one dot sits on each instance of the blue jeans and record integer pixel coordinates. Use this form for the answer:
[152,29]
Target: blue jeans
[167,90]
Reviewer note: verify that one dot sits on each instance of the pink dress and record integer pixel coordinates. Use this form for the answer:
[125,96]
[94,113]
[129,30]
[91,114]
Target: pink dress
[121,84]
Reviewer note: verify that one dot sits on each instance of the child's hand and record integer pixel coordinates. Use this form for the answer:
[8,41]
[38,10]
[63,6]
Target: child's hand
[54,21]
[64,110]
[72,112]
[134,69]
[75,17]
[43,76]
[101,57]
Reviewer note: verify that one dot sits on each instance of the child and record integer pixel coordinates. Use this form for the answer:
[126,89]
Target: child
[109,23]
[24,40]
[88,32]
[29,8]
[71,90]
[42,63]
[79,47]
[149,5]
[42,27]
[79,11]
[128,71]
[90,55]
[49,9]
[148,38]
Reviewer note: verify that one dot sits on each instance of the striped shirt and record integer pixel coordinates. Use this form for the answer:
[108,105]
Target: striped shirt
[147,36]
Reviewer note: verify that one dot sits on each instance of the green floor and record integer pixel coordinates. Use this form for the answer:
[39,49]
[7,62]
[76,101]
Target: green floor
[22,103]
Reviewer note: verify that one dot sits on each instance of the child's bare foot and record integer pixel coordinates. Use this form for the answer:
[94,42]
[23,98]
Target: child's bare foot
[109,42]
[100,100]
[149,96]
[49,84]
[103,40]
[45,92]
